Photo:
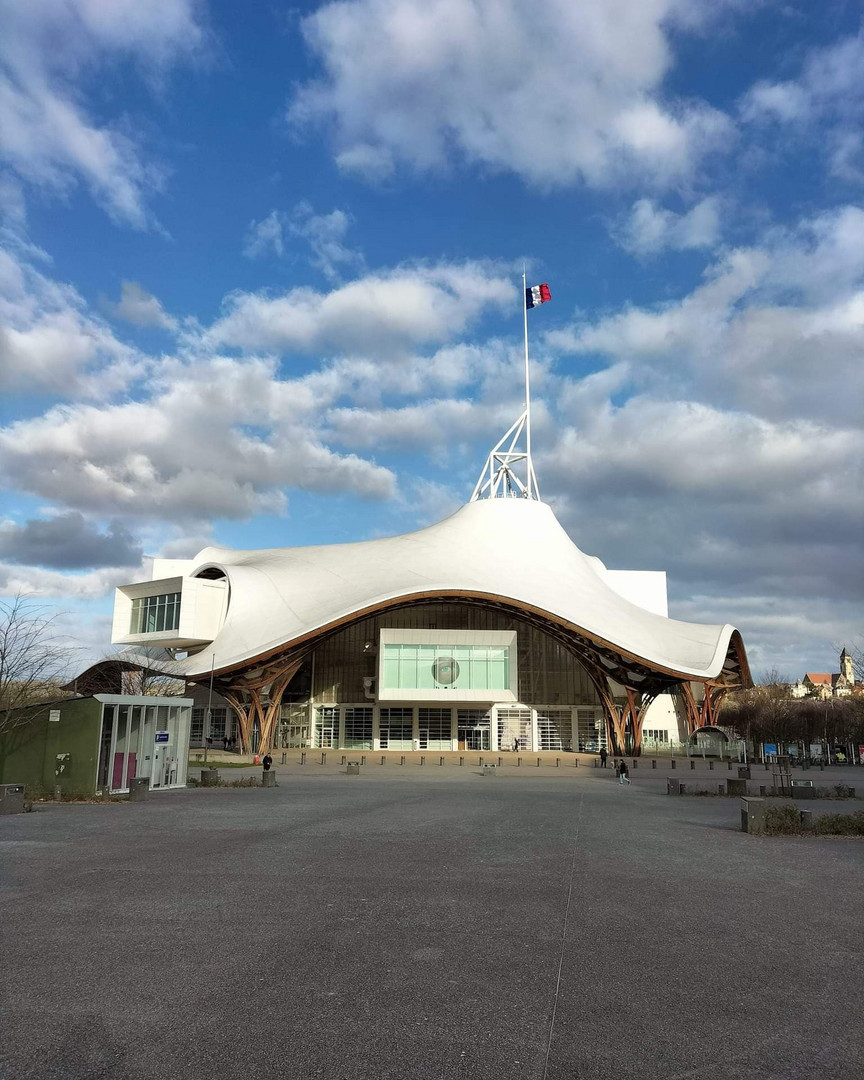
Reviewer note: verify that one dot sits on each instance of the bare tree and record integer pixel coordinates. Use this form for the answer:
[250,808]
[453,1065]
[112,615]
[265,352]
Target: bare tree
[34,658]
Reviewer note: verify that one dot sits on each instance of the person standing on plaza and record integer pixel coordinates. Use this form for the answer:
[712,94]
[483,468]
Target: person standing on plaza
[623,775]
[267,762]
[603,757]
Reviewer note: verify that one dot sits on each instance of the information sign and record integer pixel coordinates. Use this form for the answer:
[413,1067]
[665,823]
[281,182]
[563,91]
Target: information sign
[161,736]
[53,716]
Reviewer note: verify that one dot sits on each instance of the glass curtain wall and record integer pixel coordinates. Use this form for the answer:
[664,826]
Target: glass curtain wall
[358,728]
[397,729]
[554,729]
[436,729]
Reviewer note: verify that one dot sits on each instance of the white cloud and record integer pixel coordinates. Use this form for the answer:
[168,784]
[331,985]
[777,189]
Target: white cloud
[265,237]
[47,53]
[49,341]
[220,438]
[777,330]
[382,313]
[568,91]
[831,81]
[139,307]
[324,234]
[650,229]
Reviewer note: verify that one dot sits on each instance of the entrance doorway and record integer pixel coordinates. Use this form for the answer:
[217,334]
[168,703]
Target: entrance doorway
[474,729]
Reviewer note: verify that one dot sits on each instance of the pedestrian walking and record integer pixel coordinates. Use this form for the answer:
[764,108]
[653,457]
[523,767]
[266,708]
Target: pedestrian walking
[267,762]
[623,775]
[603,756]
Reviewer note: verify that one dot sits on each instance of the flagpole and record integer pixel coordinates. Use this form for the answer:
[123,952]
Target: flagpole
[527,385]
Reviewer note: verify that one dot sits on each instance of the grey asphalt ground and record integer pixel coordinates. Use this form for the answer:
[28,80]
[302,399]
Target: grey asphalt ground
[413,926]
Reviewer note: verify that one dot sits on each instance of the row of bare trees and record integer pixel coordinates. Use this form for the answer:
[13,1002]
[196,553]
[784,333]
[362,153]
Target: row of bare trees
[768,714]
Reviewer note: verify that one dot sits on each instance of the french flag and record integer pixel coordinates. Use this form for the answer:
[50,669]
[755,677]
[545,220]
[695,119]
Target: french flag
[537,294]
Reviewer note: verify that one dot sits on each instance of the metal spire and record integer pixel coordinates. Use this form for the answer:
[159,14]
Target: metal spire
[509,470]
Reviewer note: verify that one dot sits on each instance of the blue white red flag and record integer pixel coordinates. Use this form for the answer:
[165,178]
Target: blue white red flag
[537,294]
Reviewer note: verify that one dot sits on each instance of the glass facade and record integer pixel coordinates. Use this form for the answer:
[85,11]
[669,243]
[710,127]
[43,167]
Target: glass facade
[151,614]
[436,667]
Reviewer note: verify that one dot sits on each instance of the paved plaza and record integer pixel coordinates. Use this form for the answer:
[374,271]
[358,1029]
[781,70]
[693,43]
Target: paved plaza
[427,923]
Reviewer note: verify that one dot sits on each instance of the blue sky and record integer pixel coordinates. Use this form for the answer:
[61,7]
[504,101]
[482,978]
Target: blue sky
[259,287]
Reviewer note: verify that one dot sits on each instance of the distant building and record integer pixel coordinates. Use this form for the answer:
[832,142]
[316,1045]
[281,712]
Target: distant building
[824,684]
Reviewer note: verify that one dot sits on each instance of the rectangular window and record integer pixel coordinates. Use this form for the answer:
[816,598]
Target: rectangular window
[514,729]
[657,736]
[446,667]
[591,730]
[554,729]
[435,729]
[327,728]
[358,728]
[155,614]
[397,729]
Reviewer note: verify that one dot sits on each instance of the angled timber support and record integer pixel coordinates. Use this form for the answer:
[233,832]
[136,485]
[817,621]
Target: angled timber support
[261,700]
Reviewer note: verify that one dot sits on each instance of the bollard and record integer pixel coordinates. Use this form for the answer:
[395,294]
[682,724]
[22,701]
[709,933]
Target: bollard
[672,763]
[383,759]
[711,766]
[362,759]
[500,762]
[461,760]
[653,763]
[596,762]
[728,764]
[576,762]
[538,762]
[402,759]
[480,762]
[692,763]
[323,759]
[440,760]
[557,762]
[303,757]
[343,760]
[422,759]
[518,760]
[284,758]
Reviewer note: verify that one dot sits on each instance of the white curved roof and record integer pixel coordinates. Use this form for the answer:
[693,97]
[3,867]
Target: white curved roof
[514,549]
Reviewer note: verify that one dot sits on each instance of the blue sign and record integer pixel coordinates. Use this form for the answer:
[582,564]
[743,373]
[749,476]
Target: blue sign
[770,749]
[161,736]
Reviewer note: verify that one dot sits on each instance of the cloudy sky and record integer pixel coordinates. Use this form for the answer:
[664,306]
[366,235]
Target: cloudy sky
[259,286]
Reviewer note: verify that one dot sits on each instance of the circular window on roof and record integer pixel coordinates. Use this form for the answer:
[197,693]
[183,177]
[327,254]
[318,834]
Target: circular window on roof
[445,670]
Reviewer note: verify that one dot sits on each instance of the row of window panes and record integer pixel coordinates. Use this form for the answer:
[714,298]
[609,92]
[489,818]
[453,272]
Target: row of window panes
[660,735]
[152,614]
[421,667]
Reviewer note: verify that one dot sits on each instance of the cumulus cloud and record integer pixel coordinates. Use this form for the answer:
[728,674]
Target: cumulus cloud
[831,81]
[217,439]
[567,92]
[324,233]
[49,341]
[47,53]
[68,542]
[139,307]
[382,313]
[776,330]
[649,229]
[819,110]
